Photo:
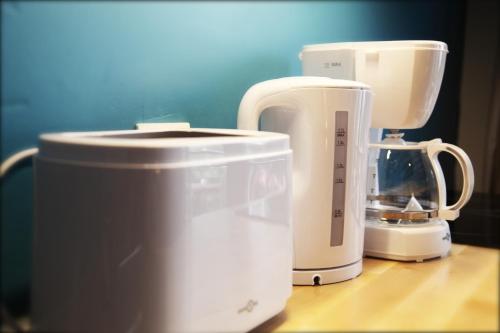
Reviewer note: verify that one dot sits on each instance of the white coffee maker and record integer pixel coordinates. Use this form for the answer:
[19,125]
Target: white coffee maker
[406,192]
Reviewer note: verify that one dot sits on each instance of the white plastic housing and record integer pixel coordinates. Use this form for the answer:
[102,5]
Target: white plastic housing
[306,109]
[408,243]
[405,76]
[186,230]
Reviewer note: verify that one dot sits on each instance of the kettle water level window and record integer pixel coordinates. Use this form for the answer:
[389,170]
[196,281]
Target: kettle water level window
[339,178]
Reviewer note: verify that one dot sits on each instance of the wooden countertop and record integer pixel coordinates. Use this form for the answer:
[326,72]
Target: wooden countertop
[457,293]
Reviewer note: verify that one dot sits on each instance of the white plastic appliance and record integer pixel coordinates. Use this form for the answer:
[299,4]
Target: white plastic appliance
[406,215]
[405,77]
[187,230]
[328,122]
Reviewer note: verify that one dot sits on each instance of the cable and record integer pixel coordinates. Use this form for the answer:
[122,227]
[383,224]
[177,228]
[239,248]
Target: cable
[6,165]
[14,159]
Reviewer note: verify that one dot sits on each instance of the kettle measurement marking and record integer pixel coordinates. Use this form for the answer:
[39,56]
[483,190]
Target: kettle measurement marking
[339,174]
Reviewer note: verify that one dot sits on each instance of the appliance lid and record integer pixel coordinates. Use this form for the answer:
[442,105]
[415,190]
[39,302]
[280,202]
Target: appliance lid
[148,148]
[379,45]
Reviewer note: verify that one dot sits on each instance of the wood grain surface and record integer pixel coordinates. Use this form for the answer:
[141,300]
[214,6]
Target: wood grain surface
[456,293]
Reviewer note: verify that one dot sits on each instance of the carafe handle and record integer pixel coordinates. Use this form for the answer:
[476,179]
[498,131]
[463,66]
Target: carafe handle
[434,148]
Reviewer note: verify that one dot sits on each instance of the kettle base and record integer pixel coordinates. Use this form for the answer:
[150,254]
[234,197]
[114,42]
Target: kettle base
[415,243]
[316,277]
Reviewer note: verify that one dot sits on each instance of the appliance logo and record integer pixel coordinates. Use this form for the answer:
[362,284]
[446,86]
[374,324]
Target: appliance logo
[249,306]
[332,64]
[447,237]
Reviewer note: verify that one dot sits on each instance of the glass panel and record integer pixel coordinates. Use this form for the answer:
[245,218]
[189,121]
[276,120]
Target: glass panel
[406,183]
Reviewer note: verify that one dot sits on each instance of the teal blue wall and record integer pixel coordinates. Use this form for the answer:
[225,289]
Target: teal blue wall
[81,65]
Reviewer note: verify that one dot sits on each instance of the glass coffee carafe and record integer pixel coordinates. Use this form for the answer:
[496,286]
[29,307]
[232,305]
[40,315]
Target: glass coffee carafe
[406,182]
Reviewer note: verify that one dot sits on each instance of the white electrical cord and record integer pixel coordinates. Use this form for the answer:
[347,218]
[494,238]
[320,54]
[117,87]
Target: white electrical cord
[5,316]
[14,159]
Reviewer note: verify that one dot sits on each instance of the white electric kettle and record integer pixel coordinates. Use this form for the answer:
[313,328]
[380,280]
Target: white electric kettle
[328,122]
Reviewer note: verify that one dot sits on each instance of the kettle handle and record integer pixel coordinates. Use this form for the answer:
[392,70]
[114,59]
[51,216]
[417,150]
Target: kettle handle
[262,96]
[434,148]
[286,93]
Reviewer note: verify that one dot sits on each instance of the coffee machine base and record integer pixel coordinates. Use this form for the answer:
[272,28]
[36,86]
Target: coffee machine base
[326,276]
[415,243]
